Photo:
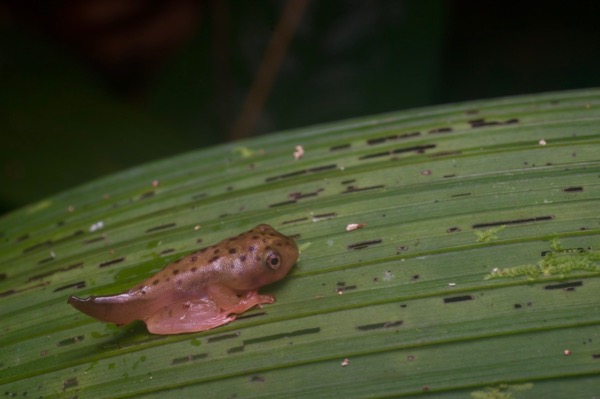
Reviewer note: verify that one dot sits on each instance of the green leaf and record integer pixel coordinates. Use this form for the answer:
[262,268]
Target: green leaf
[474,270]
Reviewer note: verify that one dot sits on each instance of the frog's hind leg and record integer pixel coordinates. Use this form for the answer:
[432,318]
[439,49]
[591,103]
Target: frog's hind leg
[185,317]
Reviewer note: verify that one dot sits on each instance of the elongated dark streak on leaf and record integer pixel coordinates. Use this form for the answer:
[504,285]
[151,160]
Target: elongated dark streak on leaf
[573,189]
[460,195]
[23,238]
[2,276]
[235,349]
[448,176]
[419,148]
[294,221]
[354,189]
[322,168]
[38,246]
[96,239]
[285,176]
[444,154]
[348,181]
[481,122]
[596,356]
[45,260]
[198,196]
[346,288]
[148,194]
[562,286]
[305,195]
[462,298]
[441,130]
[323,216]
[394,137]
[282,203]
[364,244]
[71,341]
[514,221]
[51,272]
[376,155]
[167,251]
[453,229]
[339,147]
[79,284]
[301,172]
[12,292]
[161,227]
[188,359]
[7,293]
[377,326]
[274,337]
[111,262]
[223,337]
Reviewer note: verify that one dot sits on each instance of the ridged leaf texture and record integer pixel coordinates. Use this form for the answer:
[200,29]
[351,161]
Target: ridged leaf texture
[473,270]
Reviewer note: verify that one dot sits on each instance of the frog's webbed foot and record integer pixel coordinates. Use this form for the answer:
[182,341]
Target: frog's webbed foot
[249,300]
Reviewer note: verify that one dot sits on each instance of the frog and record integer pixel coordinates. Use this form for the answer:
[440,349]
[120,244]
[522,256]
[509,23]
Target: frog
[203,290]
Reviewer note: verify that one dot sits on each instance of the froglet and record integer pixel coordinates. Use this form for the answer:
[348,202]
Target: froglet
[204,289]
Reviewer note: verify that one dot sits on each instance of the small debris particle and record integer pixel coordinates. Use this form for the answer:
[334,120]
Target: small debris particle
[71,208]
[451,284]
[96,226]
[257,378]
[542,142]
[354,226]
[426,172]
[345,362]
[567,352]
[298,152]
[197,227]
[155,183]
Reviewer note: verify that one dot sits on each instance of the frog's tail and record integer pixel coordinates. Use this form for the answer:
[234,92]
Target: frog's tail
[118,309]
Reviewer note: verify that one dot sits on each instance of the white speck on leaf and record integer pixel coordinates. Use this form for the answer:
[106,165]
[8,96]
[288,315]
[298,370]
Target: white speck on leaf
[298,152]
[96,226]
[354,226]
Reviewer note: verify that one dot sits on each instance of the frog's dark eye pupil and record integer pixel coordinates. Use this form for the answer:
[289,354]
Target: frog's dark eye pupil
[273,260]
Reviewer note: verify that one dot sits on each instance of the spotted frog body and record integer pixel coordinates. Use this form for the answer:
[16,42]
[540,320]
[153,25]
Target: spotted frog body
[203,290]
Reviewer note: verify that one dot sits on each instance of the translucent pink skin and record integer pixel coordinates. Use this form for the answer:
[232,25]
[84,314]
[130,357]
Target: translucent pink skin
[203,290]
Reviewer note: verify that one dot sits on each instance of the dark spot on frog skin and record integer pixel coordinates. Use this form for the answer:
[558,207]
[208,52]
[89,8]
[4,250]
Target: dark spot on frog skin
[216,251]
[232,250]
[175,272]
[243,258]
[251,248]
[155,282]
[194,258]
[194,269]
[255,237]
[213,259]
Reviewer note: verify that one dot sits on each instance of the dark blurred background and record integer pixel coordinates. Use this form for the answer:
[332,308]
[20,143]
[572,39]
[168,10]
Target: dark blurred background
[91,87]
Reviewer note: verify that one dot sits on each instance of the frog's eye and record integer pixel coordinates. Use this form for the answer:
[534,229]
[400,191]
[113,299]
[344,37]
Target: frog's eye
[273,260]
